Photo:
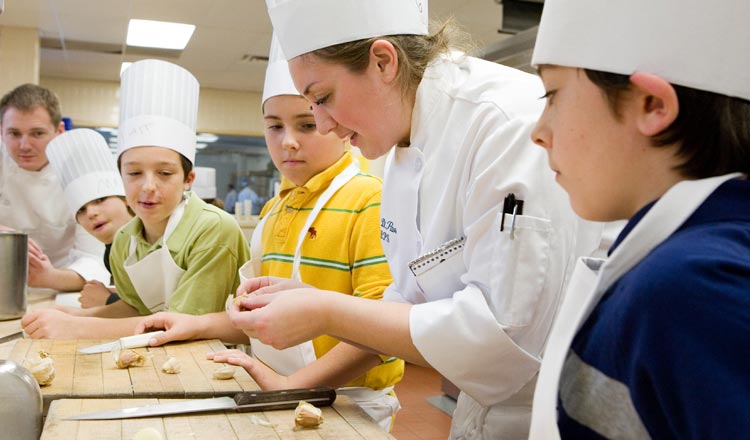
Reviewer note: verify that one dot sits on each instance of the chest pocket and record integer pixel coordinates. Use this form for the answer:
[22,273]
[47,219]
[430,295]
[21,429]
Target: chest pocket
[520,265]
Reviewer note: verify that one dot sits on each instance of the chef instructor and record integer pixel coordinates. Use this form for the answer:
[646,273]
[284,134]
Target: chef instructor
[478,309]
[62,256]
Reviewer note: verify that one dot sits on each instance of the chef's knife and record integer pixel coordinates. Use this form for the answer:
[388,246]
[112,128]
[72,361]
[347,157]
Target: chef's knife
[134,341]
[242,402]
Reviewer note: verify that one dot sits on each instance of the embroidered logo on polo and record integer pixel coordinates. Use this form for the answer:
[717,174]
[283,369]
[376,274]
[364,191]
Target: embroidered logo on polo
[312,233]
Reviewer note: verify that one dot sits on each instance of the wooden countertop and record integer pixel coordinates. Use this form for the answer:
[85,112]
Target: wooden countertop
[344,420]
[96,376]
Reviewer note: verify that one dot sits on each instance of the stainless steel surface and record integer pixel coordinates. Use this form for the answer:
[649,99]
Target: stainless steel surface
[21,407]
[14,261]
[190,406]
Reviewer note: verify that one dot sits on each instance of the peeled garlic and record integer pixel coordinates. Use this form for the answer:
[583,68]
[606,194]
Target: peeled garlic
[223,373]
[42,367]
[307,416]
[148,434]
[128,358]
[171,366]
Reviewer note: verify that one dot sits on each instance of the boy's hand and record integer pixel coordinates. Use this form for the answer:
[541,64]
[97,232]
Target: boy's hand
[264,376]
[51,324]
[94,294]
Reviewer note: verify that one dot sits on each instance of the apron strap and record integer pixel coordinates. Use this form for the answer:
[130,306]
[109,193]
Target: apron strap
[339,181]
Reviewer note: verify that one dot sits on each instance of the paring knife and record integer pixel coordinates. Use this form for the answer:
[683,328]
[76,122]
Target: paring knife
[242,402]
[134,341]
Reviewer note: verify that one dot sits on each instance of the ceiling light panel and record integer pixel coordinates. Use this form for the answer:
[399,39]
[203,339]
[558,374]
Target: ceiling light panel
[159,34]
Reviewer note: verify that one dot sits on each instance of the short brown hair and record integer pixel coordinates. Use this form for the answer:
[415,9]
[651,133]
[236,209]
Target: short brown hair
[415,52]
[27,97]
[712,130]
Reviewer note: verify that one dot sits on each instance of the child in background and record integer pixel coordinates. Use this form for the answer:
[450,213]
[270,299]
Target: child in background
[321,229]
[179,253]
[648,119]
[93,189]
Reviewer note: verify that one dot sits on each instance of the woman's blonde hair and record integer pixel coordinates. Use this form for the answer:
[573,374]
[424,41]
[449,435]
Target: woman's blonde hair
[415,52]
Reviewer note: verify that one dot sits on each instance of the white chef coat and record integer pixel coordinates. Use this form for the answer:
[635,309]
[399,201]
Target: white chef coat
[485,329]
[34,203]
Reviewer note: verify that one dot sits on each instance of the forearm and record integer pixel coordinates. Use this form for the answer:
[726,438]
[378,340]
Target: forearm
[341,365]
[218,326]
[64,280]
[104,328]
[381,326]
[118,309]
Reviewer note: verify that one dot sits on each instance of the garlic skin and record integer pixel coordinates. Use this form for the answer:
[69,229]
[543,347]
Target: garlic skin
[128,358]
[42,367]
[171,366]
[307,416]
[224,373]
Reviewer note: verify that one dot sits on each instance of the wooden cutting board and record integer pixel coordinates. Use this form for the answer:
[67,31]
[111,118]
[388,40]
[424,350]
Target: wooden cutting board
[96,376]
[345,420]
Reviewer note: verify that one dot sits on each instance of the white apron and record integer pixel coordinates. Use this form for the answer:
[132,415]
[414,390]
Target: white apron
[156,276]
[591,279]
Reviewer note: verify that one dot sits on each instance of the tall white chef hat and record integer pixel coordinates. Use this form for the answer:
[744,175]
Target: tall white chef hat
[158,107]
[307,25]
[278,80]
[692,43]
[85,166]
[204,185]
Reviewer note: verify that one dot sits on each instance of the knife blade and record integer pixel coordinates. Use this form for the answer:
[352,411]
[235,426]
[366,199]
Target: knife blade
[134,341]
[242,402]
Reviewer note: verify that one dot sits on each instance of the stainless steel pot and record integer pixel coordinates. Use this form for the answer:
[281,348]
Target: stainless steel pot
[14,262]
[20,403]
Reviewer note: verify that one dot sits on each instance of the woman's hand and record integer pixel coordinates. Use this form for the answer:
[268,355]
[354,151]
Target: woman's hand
[266,284]
[263,375]
[283,319]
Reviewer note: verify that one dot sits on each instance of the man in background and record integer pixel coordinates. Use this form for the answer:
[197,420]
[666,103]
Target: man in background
[230,199]
[248,194]
[61,254]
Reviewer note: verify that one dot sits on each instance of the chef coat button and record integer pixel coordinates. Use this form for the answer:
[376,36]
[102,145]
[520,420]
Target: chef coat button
[418,165]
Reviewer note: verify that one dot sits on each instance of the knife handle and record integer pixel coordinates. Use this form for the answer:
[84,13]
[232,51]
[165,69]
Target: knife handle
[137,341]
[283,399]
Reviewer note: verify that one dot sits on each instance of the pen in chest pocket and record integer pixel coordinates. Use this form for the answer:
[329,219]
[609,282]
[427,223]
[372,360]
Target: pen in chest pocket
[513,206]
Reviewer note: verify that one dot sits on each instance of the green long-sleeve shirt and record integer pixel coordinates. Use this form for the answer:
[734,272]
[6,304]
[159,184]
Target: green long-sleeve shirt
[207,243]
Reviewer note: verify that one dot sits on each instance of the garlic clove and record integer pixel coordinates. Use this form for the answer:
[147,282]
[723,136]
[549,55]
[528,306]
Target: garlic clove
[42,367]
[224,372]
[172,366]
[307,416]
[128,358]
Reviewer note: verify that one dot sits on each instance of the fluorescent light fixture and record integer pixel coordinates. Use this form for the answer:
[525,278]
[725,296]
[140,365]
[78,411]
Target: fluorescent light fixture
[160,34]
[207,137]
[124,66]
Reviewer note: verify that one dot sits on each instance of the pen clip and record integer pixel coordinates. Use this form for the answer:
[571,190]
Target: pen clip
[513,206]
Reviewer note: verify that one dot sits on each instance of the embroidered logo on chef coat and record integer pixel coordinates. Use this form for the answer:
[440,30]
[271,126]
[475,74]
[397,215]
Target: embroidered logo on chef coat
[386,229]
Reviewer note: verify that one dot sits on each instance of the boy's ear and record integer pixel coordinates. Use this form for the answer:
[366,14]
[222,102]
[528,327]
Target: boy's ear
[656,101]
[189,179]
